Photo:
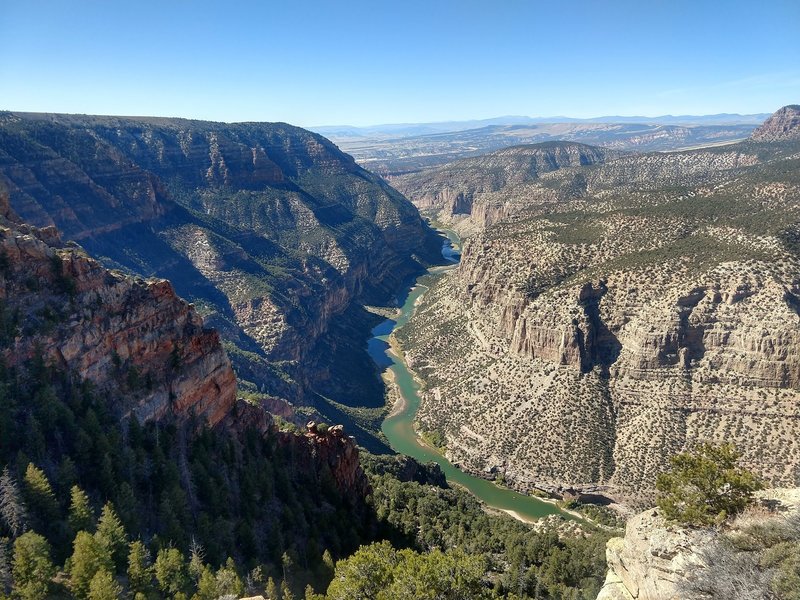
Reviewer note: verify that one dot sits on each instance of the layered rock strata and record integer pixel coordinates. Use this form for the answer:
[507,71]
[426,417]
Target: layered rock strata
[268,229]
[585,341]
[133,339]
[783,125]
[661,561]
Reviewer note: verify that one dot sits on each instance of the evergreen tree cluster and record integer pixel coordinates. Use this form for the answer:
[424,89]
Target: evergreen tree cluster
[95,505]
[446,530]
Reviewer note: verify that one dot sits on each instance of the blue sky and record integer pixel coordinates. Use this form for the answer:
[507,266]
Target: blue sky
[361,63]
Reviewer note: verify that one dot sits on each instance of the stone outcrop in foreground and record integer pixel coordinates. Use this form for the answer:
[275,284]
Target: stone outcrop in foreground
[657,561]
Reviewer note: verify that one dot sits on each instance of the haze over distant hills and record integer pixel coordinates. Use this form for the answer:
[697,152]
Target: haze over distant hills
[409,129]
[394,149]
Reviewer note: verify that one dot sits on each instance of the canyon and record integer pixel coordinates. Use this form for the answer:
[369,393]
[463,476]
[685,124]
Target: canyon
[275,236]
[607,314]
[135,342]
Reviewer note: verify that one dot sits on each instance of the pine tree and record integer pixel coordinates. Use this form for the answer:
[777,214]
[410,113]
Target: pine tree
[140,568]
[228,580]
[207,585]
[196,560]
[81,516]
[327,560]
[104,587]
[171,571]
[12,507]
[286,593]
[271,590]
[125,503]
[88,557]
[40,497]
[5,567]
[311,595]
[111,535]
[32,567]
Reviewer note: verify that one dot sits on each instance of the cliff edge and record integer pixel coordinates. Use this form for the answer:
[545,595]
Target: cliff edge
[659,561]
[132,338]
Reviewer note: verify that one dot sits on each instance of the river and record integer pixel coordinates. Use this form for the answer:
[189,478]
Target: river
[398,426]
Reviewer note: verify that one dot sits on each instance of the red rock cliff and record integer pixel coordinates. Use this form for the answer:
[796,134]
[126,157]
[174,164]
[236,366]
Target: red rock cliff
[133,338]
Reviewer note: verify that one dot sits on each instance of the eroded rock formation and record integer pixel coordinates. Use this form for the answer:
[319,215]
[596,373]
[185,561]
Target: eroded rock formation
[586,339]
[783,125]
[272,232]
[661,561]
[134,339]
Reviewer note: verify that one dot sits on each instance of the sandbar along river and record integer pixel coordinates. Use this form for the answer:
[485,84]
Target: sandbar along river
[398,427]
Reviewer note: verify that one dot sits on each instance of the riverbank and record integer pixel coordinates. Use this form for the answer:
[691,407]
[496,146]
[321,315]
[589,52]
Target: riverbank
[398,427]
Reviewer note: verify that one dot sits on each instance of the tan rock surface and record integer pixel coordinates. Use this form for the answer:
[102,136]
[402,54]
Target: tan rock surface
[584,339]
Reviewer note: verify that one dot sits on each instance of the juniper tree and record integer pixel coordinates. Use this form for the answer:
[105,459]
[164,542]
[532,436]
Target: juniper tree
[705,486]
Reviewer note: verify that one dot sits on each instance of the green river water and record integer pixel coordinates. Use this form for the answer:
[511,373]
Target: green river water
[399,428]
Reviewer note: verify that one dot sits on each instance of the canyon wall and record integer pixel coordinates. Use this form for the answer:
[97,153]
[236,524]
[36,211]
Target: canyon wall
[268,229]
[133,339]
[583,341]
[139,345]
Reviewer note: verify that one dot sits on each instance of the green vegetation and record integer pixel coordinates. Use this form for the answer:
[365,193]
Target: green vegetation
[98,497]
[381,572]
[95,508]
[705,486]
[434,438]
[552,561]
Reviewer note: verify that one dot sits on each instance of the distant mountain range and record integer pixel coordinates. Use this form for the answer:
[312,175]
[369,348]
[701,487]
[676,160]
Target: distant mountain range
[402,151]
[413,129]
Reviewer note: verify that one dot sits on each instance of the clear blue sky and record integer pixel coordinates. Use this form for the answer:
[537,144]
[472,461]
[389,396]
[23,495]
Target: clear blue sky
[377,61]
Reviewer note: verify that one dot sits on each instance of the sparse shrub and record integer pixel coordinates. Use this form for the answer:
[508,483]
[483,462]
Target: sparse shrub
[705,486]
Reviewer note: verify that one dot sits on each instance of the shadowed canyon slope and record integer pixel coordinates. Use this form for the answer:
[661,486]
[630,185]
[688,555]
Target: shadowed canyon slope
[609,315]
[269,229]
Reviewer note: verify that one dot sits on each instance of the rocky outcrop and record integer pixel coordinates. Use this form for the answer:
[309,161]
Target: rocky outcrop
[661,561]
[652,560]
[331,455]
[133,339]
[465,187]
[784,124]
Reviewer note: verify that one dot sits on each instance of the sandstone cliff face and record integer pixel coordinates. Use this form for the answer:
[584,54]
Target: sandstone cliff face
[133,339]
[142,347]
[585,341]
[269,229]
[783,125]
[659,561]
[465,187]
